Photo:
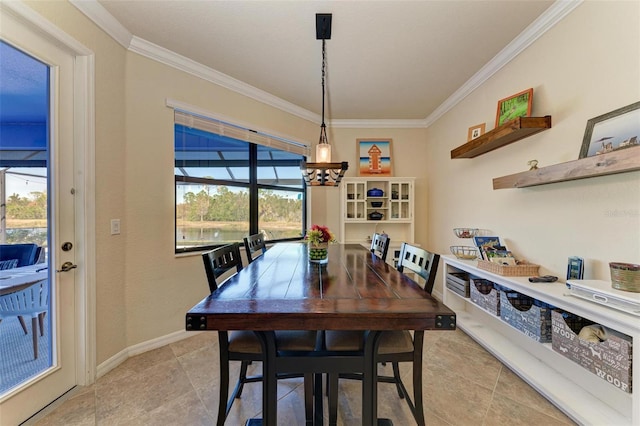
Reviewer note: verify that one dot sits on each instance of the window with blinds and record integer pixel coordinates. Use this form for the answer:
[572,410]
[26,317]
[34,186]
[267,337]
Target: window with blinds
[231,182]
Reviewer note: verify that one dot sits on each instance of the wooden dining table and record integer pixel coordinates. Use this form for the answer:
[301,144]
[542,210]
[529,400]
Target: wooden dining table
[355,290]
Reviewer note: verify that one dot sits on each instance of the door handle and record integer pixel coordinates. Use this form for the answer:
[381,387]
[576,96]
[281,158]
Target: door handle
[66,267]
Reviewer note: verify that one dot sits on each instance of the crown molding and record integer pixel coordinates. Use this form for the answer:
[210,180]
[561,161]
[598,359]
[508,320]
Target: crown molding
[378,124]
[172,59]
[103,19]
[25,13]
[550,17]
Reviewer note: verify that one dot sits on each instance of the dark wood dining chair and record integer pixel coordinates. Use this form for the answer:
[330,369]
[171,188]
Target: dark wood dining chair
[380,245]
[220,264]
[255,246]
[395,346]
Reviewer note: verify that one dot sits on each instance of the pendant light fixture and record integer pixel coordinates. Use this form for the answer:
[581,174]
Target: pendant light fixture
[323,172]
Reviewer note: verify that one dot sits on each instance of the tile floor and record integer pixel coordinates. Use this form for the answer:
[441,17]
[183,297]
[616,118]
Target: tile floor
[177,385]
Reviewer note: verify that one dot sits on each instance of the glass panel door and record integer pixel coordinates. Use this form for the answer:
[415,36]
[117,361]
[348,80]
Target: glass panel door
[37,160]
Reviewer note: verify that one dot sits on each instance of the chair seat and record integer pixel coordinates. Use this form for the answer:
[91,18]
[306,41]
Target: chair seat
[390,341]
[288,340]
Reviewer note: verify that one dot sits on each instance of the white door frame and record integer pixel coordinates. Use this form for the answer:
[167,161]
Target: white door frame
[84,147]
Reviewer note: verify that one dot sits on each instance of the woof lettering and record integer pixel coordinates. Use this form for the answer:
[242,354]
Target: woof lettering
[613,380]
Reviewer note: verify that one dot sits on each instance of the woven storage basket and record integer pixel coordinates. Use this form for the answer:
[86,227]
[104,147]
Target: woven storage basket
[625,276]
[522,270]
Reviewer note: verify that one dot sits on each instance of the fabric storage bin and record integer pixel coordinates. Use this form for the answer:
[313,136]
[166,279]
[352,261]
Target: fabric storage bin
[458,282]
[609,359]
[526,314]
[485,294]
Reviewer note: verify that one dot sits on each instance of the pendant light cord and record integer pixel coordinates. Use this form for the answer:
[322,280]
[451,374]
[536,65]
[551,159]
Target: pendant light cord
[323,126]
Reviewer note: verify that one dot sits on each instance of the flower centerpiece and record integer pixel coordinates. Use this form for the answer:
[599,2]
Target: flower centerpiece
[318,239]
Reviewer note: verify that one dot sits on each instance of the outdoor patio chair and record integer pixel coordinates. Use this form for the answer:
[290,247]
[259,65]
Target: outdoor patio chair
[32,301]
[26,254]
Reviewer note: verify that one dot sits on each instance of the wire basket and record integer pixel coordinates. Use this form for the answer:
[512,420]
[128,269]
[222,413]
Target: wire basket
[625,276]
[464,252]
[465,232]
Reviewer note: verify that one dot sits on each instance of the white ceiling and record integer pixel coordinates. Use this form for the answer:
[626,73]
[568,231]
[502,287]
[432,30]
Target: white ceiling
[386,60]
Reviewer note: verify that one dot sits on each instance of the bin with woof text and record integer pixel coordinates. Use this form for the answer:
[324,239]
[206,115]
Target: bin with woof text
[609,359]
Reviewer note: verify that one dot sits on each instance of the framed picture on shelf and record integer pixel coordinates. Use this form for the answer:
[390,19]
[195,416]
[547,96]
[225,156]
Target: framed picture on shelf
[475,132]
[374,157]
[575,268]
[518,105]
[614,130]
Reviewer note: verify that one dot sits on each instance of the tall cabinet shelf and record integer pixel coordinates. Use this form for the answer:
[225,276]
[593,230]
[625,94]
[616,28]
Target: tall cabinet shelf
[360,208]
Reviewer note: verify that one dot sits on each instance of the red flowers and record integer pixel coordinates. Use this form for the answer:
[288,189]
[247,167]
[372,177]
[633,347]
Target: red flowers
[319,234]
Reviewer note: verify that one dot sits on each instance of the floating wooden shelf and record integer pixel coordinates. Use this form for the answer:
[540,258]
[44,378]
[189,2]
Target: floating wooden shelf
[509,132]
[620,161]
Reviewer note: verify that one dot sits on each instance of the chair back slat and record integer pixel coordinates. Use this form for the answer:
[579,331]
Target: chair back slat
[8,264]
[29,301]
[380,245]
[421,262]
[219,261]
[255,246]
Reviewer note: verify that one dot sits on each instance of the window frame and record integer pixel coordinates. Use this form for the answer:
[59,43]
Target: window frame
[253,186]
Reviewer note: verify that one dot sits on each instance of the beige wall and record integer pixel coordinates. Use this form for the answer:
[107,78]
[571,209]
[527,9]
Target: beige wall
[587,65]
[160,287]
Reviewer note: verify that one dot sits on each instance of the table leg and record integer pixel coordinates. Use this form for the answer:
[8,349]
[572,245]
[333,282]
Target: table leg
[369,382]
[269,378]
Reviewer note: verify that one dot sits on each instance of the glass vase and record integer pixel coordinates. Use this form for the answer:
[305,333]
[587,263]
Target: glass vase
[318,253]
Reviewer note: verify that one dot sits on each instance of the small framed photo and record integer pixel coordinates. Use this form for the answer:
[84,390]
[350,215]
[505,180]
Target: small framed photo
[575,268]
[614,130]
[475,132]
[518,105]
[374,157]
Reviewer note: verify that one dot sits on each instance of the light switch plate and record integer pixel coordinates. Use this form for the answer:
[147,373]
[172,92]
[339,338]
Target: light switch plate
[115,226]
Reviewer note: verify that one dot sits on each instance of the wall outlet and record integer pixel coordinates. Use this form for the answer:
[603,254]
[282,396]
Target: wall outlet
[115,226]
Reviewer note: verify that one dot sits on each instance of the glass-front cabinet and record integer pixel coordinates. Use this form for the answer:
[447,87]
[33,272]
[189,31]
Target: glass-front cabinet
[382,205]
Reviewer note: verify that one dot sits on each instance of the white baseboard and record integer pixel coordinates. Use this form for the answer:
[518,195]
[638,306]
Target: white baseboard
[134,350]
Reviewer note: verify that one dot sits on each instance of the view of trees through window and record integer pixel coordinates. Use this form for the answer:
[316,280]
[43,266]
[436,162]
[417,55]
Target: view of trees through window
[279,214]
[26,206]
[218,214]
[227,189]
[210,214]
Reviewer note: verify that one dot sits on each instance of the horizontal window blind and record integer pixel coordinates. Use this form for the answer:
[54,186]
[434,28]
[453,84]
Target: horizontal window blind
[236,132]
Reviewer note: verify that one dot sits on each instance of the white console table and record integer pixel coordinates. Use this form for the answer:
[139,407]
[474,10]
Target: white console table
[583,396]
